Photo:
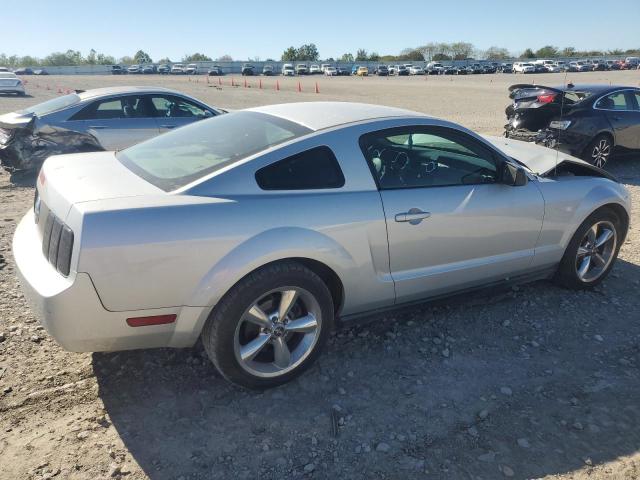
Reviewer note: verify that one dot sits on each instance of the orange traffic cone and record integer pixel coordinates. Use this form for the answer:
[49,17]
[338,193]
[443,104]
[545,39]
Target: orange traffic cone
[219,81]
[245,82]
[277,85]
[260,84]
[317,89]
[232,84]
[299,87]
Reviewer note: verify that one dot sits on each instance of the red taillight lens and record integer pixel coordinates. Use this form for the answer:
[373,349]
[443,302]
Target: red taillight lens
[153,320]
[546,98]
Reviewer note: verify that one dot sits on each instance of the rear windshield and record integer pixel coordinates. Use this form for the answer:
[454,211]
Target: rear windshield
[177,158]
[52,105]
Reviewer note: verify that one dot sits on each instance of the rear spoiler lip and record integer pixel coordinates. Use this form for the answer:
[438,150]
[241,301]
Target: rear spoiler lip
[518,86]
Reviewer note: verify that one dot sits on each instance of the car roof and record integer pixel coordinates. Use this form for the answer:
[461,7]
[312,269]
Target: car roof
[106,91]
[321,115]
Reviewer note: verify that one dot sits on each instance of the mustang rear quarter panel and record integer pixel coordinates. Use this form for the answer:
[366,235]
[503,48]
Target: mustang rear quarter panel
[143,255]
[569,201]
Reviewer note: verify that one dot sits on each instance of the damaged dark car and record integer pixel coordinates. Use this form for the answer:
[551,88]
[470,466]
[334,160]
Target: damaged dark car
[592,122]
[93,120]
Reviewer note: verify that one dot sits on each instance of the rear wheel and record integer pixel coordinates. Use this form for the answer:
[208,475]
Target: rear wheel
[599,151]
[592,251]
[270,327]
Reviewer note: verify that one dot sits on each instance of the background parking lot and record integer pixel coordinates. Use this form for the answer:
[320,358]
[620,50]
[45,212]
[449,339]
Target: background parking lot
[534,381]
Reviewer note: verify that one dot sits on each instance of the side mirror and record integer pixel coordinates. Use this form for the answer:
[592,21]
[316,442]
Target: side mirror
[513,175]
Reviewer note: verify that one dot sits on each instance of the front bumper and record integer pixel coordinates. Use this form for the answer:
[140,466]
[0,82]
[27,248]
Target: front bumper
[70,309]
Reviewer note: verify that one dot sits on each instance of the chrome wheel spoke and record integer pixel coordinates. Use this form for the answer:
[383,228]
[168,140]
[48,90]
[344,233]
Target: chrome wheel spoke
[257,316]
[254,347]
[598,260]
[592,234]
[604,237]
[287,300]
[582,251]
[306,324]
[282,355]
[584,266]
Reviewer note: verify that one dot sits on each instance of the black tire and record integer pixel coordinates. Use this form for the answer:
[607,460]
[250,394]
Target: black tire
[219,332]
[567,274]
[599,151]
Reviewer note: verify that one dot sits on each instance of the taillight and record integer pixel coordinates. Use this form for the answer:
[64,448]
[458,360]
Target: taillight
[547,97]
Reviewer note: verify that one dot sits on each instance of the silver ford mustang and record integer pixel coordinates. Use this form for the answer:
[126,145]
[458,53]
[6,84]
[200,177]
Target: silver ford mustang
[254,230]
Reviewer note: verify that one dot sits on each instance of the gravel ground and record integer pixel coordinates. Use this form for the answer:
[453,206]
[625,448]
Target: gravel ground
[529,382]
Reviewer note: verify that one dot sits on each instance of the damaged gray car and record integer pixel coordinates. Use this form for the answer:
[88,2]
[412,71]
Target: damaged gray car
[94,120]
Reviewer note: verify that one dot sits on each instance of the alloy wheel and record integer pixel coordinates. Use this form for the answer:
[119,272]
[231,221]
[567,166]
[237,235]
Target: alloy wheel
[277,332]
[596,251]
[600,153]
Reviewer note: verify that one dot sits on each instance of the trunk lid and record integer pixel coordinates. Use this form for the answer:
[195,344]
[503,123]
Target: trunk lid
[66,180]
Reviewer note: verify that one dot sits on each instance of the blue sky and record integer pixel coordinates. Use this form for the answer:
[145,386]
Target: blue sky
[248,28]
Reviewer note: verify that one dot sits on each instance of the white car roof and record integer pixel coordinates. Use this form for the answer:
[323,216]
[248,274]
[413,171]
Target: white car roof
[106,91]
[321,115]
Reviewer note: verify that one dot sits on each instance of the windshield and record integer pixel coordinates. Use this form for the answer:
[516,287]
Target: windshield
[177,158]
[52,105]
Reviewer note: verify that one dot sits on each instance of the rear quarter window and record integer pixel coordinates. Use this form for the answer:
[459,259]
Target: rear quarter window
[313,169]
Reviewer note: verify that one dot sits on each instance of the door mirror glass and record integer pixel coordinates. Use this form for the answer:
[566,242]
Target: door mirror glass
[513,175]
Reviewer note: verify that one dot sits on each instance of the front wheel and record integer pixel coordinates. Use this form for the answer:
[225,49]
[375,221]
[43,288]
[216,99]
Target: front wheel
[599,151]
[592,251]
[270,327]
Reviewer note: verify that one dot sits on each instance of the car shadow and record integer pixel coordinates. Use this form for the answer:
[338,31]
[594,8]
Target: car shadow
[626,168]
[4,94]
[528,381]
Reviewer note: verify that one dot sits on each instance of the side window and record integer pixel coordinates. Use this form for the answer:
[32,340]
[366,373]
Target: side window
[636,95]
[124,107]
[427,157]
[615,101]
[175,107]
[317,168]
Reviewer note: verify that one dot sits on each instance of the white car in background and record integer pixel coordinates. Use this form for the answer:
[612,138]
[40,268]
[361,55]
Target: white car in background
[523,67]
[314,69]
[331,71]
[288,70]
[324,66]
[177,69]
[436,67]
[416,70]
[553,68]
[10,83]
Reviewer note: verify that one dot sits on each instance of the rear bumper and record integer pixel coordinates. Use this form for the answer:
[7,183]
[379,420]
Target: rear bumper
[72,313]
[12,89]
[568,142]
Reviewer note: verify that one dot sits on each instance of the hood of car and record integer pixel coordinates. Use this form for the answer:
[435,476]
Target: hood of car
[540,160]
[15,120]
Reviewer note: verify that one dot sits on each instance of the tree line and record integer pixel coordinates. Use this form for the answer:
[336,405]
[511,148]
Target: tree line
[75,57]
[434,51]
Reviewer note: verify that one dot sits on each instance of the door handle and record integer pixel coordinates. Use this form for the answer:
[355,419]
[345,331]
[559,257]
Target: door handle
[167,126]
[414,216]
[97,127]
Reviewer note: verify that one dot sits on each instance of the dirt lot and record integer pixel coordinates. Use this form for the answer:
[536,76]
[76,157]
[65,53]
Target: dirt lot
[534,381]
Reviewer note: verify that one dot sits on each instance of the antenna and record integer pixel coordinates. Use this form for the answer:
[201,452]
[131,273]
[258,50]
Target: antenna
[566,85]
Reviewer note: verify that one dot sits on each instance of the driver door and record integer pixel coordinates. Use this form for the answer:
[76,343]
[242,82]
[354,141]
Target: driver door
[450,224]
[173,111]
